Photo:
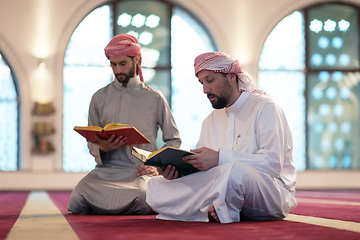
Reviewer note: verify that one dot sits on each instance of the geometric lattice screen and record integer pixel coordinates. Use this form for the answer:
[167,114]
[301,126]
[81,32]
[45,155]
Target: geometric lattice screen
[317,62]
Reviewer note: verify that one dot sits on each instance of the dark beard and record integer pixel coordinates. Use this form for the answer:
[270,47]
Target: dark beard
[220,102]
[127,76]
[125,80]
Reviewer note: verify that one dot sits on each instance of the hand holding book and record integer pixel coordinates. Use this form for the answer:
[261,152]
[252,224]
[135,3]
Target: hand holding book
[111,143]
[164,157]
[203,158]
[169,172]
[131,133]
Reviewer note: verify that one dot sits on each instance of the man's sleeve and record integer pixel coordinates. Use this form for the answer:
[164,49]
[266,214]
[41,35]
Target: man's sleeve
[93,120]
[203,136]
[273,139]
[171,135]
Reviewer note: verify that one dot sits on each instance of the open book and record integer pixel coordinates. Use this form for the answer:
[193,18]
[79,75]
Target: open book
[164,157]
[130,132]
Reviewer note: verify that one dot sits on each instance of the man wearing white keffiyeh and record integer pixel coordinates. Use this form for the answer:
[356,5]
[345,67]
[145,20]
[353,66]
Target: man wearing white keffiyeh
[244,154]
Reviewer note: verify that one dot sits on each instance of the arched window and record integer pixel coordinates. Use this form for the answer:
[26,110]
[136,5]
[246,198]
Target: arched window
[9,118]
[310,65]
[170,37]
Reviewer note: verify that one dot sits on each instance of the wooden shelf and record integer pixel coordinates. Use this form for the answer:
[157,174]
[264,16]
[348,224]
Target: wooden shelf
[43,128]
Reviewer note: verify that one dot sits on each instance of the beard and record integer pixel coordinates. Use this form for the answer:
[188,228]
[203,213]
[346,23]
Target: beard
[223,99]
[218,102]
[123,77]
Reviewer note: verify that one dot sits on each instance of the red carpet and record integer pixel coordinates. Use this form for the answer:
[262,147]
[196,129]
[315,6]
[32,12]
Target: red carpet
[11,204]
[329,211]
[137,227]
[325,205]
[352,196]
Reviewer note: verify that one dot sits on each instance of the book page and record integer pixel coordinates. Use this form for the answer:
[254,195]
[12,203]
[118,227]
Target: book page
[142,151]
[89,128]
[112,126]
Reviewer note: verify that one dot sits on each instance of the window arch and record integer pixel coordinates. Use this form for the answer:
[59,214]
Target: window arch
[9,118]
[168,56]
[314,77]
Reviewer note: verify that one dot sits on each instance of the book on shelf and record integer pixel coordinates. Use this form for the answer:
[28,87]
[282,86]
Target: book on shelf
[164,157]
[130,132]
[43,108]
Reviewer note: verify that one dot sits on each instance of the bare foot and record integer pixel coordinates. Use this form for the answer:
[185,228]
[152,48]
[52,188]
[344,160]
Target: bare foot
[212,214]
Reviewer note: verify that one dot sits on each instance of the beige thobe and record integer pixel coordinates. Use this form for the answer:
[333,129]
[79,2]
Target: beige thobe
[113,186]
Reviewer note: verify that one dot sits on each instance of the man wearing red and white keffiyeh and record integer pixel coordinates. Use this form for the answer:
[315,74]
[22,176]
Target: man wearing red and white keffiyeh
[117,184]
[222,63]
[125,45]
[244,154]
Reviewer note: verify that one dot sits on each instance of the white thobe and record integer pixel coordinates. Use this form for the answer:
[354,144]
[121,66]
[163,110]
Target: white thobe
[255,177]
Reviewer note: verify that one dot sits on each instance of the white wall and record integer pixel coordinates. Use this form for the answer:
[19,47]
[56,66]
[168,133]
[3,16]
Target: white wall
[34,30]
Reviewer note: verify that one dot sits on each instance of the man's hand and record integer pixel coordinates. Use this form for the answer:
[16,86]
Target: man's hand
[111,143]
[146,169]
[204,159]
[169,172]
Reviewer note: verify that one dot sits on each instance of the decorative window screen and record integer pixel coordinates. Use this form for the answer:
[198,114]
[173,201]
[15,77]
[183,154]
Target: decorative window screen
[310,65]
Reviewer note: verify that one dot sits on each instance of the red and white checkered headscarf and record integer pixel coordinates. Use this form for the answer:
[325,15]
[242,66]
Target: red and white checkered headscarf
[223,63]
[125,44]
